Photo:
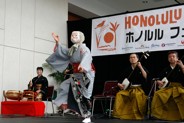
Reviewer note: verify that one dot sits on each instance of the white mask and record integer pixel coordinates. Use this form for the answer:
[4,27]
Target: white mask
[75,37]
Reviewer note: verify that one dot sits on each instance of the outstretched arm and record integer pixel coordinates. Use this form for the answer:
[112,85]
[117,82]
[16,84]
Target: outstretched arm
[56,38]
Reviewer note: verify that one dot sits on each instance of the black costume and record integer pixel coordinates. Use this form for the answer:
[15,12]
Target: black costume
[44,85]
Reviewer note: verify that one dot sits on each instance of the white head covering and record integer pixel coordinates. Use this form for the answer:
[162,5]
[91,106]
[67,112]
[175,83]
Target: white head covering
[76,44]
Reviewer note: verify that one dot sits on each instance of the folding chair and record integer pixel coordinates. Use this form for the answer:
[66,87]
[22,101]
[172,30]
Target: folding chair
[109,93]
[50,96]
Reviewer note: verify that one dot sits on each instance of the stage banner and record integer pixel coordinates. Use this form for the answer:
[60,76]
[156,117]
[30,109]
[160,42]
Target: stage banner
[153,30]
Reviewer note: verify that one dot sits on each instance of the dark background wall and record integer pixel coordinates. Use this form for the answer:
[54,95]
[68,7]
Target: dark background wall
[110,67]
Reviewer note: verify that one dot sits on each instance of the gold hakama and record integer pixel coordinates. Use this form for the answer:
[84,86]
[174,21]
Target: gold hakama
[167,103]
[130,104]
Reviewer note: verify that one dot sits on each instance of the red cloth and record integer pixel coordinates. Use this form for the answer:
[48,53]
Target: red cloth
[76,65]
[28,108]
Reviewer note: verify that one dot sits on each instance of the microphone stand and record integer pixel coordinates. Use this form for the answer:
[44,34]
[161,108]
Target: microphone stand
[153,87]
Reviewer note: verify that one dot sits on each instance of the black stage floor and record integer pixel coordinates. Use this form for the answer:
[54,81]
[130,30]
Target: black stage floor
[70,119]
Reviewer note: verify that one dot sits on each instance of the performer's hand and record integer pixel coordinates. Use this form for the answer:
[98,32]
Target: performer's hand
[38,91]
[66,71]
[180,63]
[139,65]
[56,38]
[30,84]
[160,83]
[80,68]
[121,86]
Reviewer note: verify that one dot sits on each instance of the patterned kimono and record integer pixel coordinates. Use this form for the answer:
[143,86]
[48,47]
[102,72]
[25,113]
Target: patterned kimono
[76,90]
[167,103]
[131,103]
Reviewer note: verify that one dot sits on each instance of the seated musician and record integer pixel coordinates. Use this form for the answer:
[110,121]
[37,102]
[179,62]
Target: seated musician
[39,85]
[130,103]
[167,103]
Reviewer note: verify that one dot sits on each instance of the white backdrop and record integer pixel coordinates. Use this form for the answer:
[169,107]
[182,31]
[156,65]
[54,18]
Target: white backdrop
[153,30]
[25,38]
